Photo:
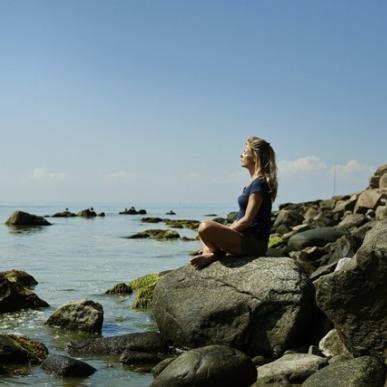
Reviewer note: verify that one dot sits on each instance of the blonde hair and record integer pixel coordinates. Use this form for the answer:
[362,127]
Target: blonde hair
[265,164]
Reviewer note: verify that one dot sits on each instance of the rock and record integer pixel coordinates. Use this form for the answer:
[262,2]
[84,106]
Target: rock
[260,306]
[220,220]
[87,213]
[315,237]
[82,315]
[347,204]
[368,199]
[136,357]
[295,366]
[322,270]
[331,345]
[355,298]
[14,297]
[288,218]
[170,212]
[383,181]
[376,181]
[341,264]
[101,214]
[156,234]
[232,216]
[156,370]
[144,287]
[180,223]
[20,218]
[21,350]
[64,214]
[65,366]
[364,371]
[275,381]
[214,365]
[352,220]
[150,342]
[151,220]
[381,213]
[310,214]
[133,211]
[19,276]
[121,288]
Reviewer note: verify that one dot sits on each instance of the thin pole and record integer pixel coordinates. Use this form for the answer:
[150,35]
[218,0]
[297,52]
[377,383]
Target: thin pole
[334,180]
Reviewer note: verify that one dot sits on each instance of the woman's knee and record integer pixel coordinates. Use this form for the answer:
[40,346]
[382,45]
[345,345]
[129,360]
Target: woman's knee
[205,227]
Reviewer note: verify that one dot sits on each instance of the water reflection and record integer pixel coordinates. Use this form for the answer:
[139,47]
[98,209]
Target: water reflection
[26,230]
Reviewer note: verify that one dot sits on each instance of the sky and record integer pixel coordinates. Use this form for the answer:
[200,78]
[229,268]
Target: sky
[152,101]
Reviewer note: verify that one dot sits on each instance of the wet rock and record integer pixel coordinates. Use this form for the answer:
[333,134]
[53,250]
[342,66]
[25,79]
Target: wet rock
[156,370]
[315,237]
[256,305]
[149,342]
[21,350]
[14,297]
[364,371]
[151,220]
[156,234]
[121,288]
[19,276]
[20,218]
[170,212]
[82,315]
[182,223]
[295,366]
[101,214]
[133,211]
[354,298]
[65,366]
[331,344]
[136,357]
[214,365]
[64,214]
[87,213]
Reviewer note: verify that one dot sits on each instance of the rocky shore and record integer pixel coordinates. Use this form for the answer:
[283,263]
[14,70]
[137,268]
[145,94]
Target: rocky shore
[312,312]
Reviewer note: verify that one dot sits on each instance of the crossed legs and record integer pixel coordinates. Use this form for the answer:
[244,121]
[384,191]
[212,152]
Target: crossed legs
[217,240]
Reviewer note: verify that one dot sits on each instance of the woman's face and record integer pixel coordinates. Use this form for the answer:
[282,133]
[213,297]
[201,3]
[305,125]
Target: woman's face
[246,157]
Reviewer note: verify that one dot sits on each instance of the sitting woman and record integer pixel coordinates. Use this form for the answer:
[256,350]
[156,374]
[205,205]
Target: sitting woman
[249,234]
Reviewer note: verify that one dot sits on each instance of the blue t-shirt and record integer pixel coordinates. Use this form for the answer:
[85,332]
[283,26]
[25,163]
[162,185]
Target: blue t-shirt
[262,221]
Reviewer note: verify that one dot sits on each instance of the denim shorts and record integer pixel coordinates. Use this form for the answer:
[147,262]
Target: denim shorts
[251,245]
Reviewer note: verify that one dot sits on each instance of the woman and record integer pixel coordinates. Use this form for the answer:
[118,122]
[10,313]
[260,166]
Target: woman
[249,234]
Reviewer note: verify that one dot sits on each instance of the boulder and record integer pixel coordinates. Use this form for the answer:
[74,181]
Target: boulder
[260,306]
[21,350]
[149,342]
[136,357]
[82,315]
[347,204]
[331,345]
[64,214]
[368,199]
[19,276]
[180,223]
[20,218]
[87,213]
[352,220]
[65,366]
[381,213]
[295,366]
[288,218]
[157,234]
[213,365]
[354,298]
[315,237]
[364,371]
[383,181]
[14,297]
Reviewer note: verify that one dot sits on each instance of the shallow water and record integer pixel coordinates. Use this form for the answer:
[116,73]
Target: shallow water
[81,258]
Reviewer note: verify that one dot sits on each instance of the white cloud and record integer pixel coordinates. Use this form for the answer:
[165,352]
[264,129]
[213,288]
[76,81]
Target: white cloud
[301,166]
[353,170]
[123,176]
[43,175]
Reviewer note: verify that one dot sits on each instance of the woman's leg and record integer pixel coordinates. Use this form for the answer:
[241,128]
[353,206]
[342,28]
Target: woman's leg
[216,239]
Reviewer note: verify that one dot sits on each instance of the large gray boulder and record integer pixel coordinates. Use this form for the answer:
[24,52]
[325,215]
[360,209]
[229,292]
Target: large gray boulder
[20,218]
[354,298]
[364,371]
[315,237]
[213,365]
[260,306]
[82,315]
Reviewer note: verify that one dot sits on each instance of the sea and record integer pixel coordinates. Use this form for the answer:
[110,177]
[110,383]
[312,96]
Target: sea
[78,258]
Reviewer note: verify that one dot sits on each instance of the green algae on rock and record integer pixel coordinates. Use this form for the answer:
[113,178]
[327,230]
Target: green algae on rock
[157,234]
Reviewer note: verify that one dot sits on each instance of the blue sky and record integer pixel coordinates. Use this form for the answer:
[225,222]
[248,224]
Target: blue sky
[142,101]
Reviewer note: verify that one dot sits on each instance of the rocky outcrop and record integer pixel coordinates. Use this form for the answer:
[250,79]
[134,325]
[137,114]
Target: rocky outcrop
[65,366]
[21,350]
[64,214]
[83,315]
[364,371]
[156,234]
[20,218]
[354,297]
[258,306]
[14,296]
[331,345]
[87,213]
[146,342]
[19,276]
[133,211]
[214,365]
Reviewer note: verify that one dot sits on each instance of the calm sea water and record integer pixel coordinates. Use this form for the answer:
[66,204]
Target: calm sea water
[81,258]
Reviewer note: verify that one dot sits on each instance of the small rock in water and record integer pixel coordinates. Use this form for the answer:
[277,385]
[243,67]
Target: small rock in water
[66,366]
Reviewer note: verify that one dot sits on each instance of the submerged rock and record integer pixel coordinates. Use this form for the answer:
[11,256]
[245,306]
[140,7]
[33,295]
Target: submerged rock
[260,306]
[14,296]
[214,365]
[149,342]
[157,234]
[82,315]
[65,366]
[20,218]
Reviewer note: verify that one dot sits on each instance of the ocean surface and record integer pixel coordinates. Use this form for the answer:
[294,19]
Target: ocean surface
[79,258]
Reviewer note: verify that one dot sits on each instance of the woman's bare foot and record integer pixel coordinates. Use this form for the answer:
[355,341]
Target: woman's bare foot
[203,260]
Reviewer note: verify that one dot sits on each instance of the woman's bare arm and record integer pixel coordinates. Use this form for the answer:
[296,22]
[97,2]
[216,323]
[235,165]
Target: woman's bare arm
[253,206]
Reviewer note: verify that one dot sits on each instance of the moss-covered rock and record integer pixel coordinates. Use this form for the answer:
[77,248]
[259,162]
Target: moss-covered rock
[275,240]
[143,287]
[19,276]
[156,234]
[179,223]
[121,288]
